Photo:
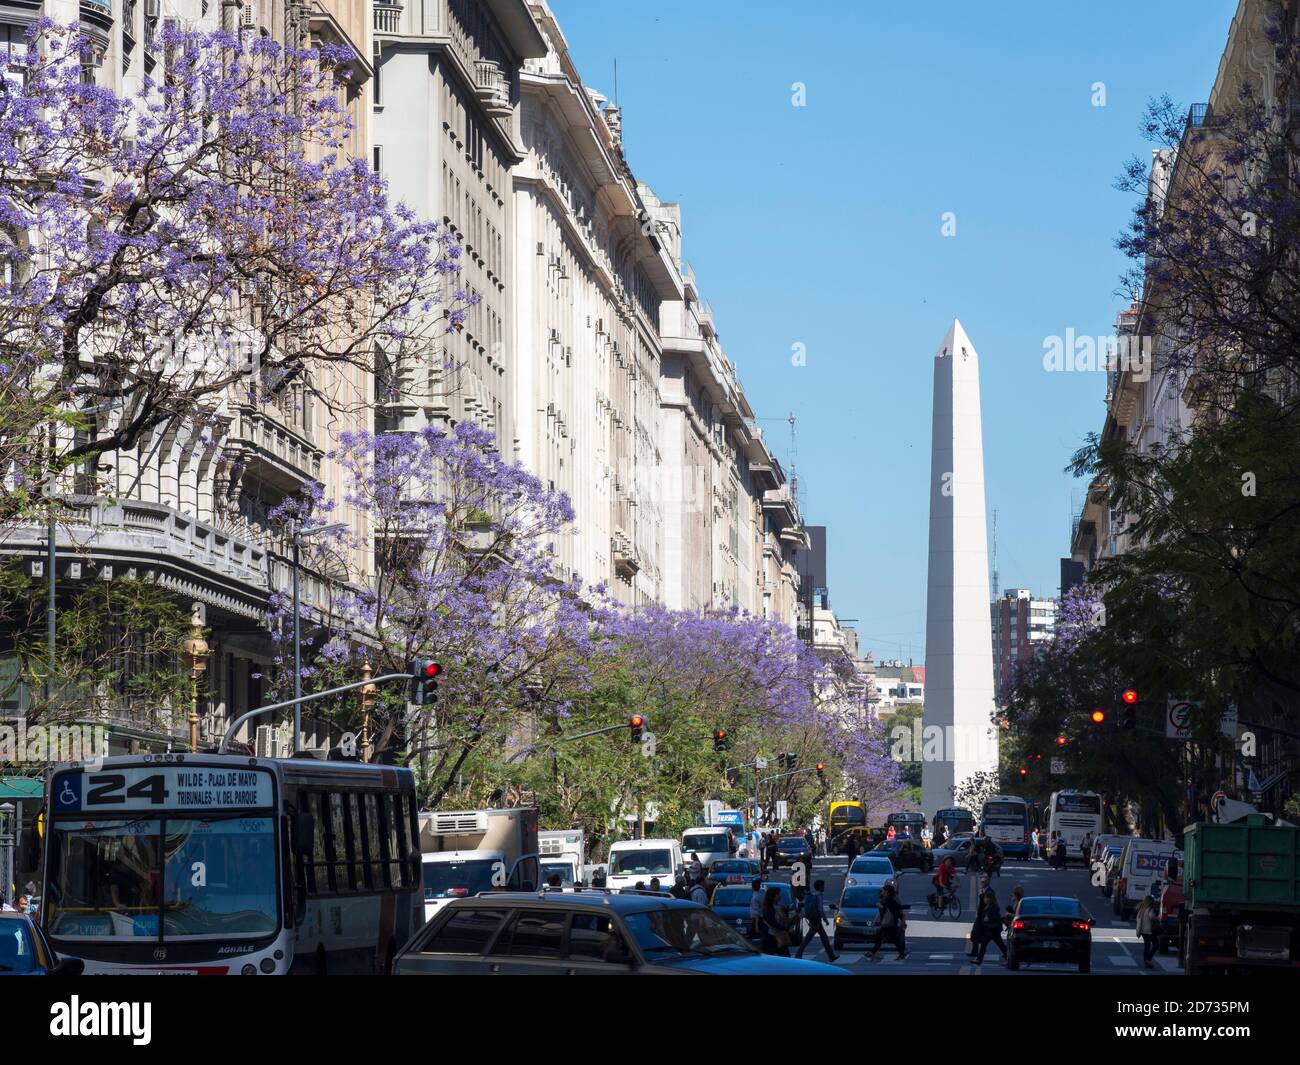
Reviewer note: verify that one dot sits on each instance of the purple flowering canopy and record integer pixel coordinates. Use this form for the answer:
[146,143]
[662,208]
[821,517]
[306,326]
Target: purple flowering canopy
[159,250]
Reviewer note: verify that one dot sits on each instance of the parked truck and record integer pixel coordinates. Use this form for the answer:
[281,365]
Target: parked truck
[1242,888]
[465,852]
[563,854]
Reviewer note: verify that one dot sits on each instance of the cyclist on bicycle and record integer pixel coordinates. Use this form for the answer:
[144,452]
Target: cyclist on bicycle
[945,877]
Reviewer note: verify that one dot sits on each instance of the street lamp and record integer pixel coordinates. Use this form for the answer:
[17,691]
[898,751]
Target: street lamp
[8,838]
[298,533]
[196,650]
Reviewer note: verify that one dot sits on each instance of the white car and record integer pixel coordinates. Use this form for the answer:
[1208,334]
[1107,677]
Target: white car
[870,870]
[639,860]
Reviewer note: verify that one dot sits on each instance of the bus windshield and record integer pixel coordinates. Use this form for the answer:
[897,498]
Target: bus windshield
[1013,812]
[705,841]
[1078,804]
[848,815]
[215,877]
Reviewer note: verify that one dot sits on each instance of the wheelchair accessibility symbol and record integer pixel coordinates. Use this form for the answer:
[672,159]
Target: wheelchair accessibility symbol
[69,793]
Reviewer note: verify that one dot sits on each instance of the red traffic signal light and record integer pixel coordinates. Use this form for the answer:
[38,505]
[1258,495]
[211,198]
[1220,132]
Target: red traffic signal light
[821,769]
[636,724]
[720,741]
[1098,717]
[1024,772]
[424,681]
[1130,696]
[1060,741]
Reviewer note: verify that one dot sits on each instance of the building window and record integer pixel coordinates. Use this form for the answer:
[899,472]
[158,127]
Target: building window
[377,163]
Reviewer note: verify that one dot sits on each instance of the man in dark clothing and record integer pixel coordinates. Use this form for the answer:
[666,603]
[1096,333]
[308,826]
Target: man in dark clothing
[814,908]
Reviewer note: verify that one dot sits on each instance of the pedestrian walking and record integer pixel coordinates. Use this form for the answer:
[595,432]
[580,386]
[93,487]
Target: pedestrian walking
[771,850]
[990,925]
[694,868]
[700,893]
[851,846]
[678,890]
[890,834]
[756,907]
[1034,838]
[890,923]
[814,909]
[1017,893]
[1145,924]
[775,922]
[1061,852]
[1086,847]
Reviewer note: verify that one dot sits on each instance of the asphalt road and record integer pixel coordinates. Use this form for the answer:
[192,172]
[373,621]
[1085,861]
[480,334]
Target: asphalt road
[940,946]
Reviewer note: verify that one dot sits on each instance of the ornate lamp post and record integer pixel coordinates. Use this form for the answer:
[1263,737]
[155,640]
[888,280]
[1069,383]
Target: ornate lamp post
[197,653]
[367,704]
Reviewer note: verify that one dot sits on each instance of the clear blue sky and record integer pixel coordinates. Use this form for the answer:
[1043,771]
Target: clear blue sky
[821,225]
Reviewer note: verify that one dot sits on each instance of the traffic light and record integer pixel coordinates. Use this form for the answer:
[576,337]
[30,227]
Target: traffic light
[720,741]
[821,771]
[1024,772]
[1060,741]
[1130,711]
[1099,716]
[424,681]
[790,760]
[636,725]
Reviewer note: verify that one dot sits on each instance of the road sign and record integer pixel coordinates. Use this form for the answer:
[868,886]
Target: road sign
[1058,766]
[760,763]
[1176,719]
[1228,723]
[782,809]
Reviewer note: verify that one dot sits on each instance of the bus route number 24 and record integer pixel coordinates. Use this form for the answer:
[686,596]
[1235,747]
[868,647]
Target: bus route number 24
[107,790]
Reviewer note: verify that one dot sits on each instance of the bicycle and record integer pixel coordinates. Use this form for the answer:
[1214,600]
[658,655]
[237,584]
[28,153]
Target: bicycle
[945,901]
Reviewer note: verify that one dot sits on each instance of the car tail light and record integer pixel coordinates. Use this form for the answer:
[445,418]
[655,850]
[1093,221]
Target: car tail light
[1017,924]
[1081,926]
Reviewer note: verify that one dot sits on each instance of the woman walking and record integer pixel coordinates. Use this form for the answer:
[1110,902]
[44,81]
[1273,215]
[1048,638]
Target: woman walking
[890,922]
[775,924]
[1145,923]
[990,926]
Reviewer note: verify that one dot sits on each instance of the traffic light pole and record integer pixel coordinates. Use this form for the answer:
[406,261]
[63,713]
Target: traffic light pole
[233,727]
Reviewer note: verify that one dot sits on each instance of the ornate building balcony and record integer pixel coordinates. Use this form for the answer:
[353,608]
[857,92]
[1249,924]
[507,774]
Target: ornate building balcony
[388,18]
[493,86]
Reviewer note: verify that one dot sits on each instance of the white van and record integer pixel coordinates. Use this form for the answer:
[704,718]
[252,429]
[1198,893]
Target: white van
[633,860]
[1143,863]
[711,844]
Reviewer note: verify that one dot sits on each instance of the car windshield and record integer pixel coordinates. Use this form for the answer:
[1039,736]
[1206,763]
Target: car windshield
[860,897]
[732,896]
[683,932]
[17,951]
[1049,908]
[201,878]
[561,869]
[792,845]
[787,892]
[731,867]
[641,863]
[881,866]
[456,879]
[701,843]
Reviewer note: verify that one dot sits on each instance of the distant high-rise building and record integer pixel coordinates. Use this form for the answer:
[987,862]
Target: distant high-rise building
[1020,624]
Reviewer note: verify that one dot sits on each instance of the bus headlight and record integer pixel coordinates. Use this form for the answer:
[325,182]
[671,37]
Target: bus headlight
[249,970]
[267,966]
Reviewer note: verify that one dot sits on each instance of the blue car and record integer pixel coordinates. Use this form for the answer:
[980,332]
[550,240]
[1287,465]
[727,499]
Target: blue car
[855,917]
[731,903]
[24,951]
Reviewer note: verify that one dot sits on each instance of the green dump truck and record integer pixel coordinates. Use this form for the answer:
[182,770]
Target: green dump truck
[1242,884]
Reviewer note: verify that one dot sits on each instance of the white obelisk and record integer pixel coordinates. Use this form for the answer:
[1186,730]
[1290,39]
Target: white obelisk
[959,739]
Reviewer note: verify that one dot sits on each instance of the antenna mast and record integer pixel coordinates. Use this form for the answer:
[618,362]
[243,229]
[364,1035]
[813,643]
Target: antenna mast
[997,590]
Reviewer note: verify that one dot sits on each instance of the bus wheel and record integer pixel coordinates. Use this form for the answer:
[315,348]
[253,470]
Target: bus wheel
[322,969]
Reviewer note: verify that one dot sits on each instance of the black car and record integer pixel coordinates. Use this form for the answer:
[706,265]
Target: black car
[586,933]
[24,950]
[792,849]
[906,854]
[1050,928]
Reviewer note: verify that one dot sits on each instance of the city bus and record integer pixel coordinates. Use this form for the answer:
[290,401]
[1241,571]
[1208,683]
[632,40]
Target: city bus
[957,819]
[1073,814]
[908,822]
[845,815]
[226,864]
[1005,820]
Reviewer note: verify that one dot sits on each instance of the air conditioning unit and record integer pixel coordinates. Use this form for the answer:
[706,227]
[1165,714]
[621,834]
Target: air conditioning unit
[248,16]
